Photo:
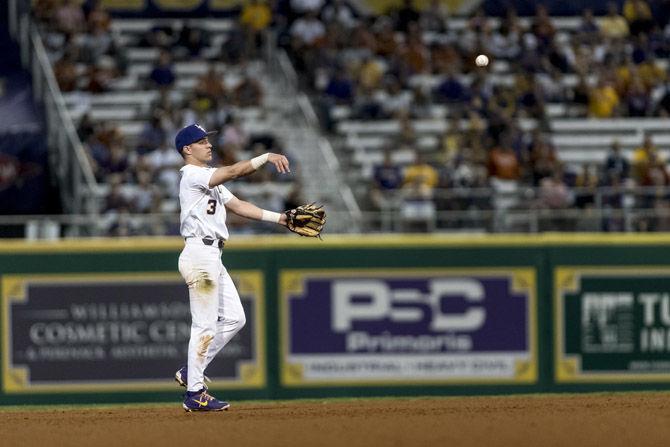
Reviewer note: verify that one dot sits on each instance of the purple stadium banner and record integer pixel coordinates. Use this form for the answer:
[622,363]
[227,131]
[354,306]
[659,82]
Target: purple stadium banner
[451,325]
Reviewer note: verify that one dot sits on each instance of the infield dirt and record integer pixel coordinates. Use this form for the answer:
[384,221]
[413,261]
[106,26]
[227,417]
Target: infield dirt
[624,419]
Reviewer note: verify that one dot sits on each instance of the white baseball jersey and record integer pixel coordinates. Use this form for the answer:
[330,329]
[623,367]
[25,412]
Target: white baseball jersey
[203,211]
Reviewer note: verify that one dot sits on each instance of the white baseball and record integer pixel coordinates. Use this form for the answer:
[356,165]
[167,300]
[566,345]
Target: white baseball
[482,60]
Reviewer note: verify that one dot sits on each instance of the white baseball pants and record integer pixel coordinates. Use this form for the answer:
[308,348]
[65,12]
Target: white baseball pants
[216,310]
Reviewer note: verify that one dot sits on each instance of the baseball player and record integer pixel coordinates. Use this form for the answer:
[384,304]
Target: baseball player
[216,311]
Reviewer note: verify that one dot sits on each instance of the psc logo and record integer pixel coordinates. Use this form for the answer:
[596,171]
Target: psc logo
[367,300]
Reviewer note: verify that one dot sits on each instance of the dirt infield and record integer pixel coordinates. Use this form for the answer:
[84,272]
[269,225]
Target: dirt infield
[626,419]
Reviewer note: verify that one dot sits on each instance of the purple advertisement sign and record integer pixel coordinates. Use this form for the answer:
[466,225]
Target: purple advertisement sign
[451,325]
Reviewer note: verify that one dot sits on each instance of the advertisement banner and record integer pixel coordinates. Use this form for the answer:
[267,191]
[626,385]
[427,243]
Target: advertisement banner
[117,332]
[406,326]
[612,324]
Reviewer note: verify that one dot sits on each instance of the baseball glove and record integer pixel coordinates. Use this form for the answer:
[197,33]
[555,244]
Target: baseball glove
[306,220]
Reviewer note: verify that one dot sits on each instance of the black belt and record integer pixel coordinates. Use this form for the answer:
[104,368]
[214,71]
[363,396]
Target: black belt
[218,242]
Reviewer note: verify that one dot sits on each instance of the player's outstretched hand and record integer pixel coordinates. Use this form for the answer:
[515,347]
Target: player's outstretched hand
[280,162]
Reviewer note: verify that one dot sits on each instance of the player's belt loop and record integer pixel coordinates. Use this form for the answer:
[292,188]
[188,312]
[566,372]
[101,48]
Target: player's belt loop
[219,242]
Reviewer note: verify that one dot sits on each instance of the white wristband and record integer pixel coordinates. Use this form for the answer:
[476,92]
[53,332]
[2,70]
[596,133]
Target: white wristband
[259,161]
[270,216]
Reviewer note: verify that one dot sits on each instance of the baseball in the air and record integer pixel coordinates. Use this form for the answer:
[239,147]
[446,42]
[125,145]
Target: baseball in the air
[482,60]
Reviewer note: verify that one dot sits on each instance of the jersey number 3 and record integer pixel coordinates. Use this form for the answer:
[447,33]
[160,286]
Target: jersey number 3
[211,206]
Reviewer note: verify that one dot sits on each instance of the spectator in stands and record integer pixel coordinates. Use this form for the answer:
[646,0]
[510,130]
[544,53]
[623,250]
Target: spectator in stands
[530,58]
[210,88]
[555,58]
[162,75]
[551,86]
[306,34]
[555,195]
[294,197]
[97,16]
[101,74]
[45,10]
[190,43]
[164,162]
[613,25]
[255,19]
[642,158]
[86,127]
[616,164]
[97,44]
[234,139]
[543,160]
[65,71]
[421,174]
[248,92]
[115,199]
[395,101]
[304,7]
[445,58]
[386,44]
[451,142]
[638,15]
[613,202]
[504,165]
[233,52]
[603,99]
[530,100]
[118,163]
[70,17]
[414,55]
[421,106]
[637,100]
[151,136]
[640,50]
[370,73]
[654,175]
[405,15]
[542,27]
[588,31]
[123,224]
[502,43]
[145,195]
[651,73]
[160,36]
[419,182]
[339,12]
[340,87]
[587,183]
[451,90]
[578,98]
[434,17]
[387,178]
[406,138]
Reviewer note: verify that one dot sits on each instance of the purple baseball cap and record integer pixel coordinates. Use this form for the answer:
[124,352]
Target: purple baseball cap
[190,134]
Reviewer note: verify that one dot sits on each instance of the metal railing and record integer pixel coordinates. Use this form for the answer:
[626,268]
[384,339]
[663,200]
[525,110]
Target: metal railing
[325,170]
[476,210]
[526,209]
[78,186]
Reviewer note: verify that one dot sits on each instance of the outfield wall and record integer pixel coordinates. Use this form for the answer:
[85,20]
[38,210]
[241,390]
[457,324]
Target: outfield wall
[108,320]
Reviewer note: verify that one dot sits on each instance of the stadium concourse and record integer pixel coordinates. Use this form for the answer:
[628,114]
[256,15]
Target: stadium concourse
[565,130]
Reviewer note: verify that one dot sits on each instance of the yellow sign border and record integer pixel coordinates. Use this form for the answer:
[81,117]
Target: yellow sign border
[245,242]
[568,368]
[291,282]
[16,380]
